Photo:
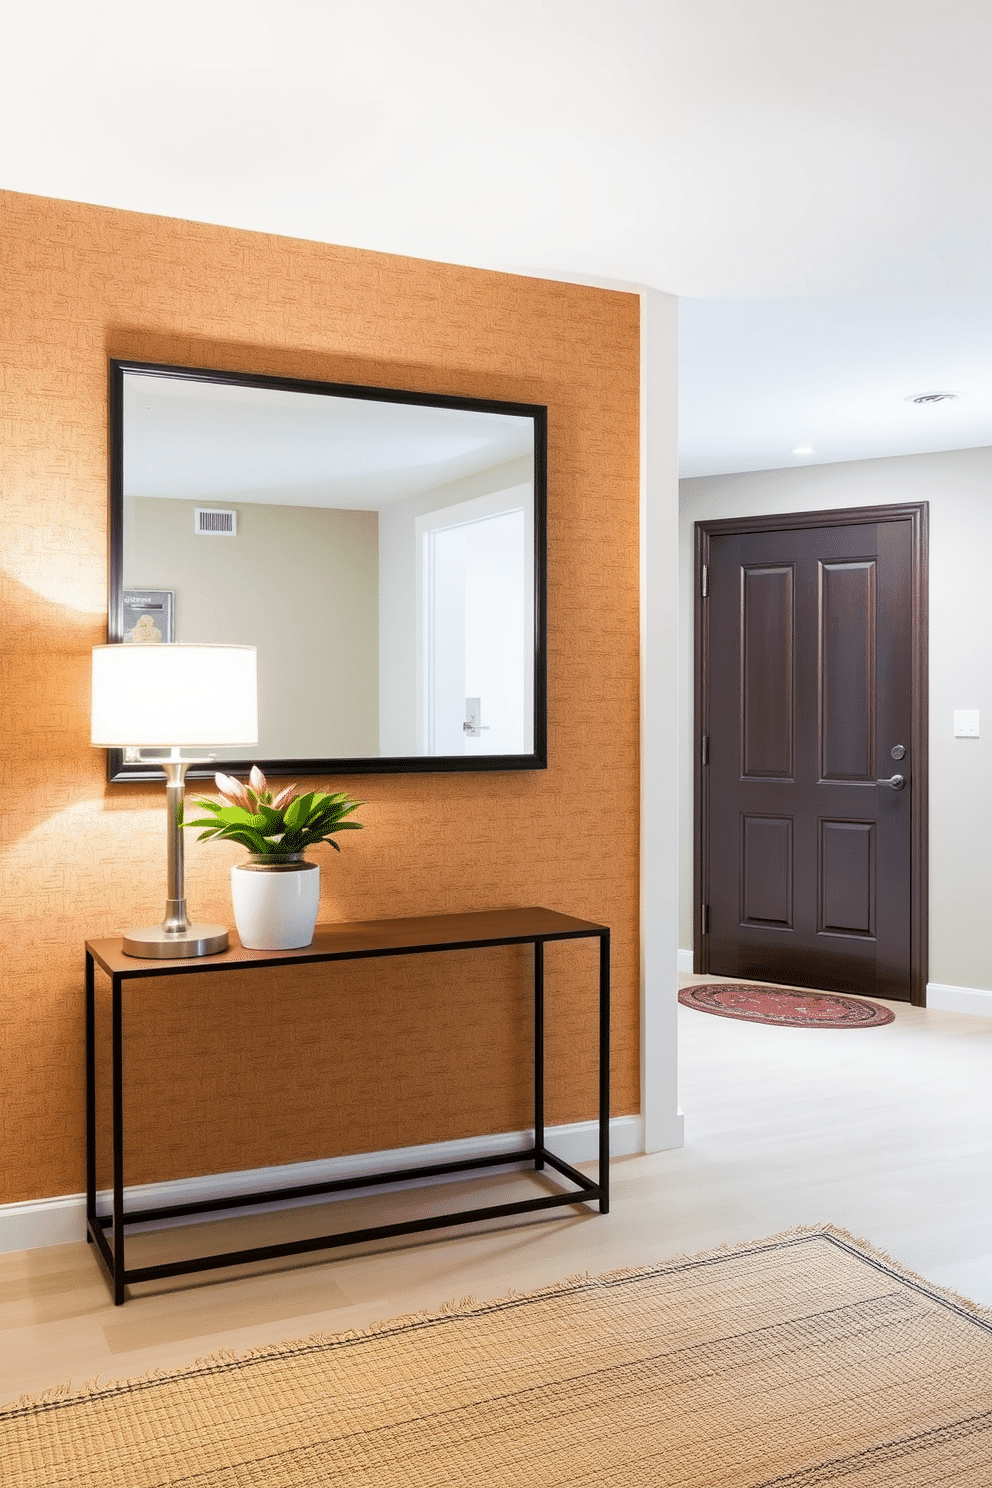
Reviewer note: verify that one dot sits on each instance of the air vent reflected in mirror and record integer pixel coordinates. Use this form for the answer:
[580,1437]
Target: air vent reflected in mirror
[210,521]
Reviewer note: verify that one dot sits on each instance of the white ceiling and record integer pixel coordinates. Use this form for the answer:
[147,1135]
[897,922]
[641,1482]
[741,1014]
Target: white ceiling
[199,441]
[812,175]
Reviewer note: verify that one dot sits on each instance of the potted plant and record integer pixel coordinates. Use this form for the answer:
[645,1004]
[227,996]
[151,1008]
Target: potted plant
[276,894]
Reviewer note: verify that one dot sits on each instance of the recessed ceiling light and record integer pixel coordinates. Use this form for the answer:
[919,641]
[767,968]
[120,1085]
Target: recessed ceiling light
[803,449]
[932,398]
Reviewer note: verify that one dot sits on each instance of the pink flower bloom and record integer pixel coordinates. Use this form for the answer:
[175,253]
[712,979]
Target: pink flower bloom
[233,791]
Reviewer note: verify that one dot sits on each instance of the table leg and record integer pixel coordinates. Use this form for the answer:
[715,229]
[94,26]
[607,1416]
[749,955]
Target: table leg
[90,1098]
[604,1071]
[118,1143]
[539,1052]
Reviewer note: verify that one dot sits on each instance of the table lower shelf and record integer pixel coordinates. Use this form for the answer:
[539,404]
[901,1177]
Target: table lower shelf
[585,1191]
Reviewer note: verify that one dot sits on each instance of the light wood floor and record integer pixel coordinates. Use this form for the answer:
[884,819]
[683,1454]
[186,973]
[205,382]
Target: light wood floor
[886,1132]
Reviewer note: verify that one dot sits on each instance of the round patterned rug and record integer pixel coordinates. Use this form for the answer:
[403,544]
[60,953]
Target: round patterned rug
[790,1008]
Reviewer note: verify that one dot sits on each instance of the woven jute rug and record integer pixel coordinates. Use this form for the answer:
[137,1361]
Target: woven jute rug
[795,1361]
[785,1005]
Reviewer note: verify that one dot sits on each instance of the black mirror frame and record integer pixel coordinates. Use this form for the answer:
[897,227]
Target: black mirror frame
[119,770]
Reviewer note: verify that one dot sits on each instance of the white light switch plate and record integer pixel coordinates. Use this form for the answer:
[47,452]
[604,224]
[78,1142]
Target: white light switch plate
[966,723]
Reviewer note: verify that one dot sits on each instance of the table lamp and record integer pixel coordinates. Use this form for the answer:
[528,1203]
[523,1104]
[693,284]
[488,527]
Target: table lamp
[173,697]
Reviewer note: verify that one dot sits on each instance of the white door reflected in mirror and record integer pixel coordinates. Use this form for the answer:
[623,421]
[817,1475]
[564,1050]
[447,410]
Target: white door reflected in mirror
[476,632]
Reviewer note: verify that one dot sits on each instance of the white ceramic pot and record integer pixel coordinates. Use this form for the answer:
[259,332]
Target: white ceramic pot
[275,904]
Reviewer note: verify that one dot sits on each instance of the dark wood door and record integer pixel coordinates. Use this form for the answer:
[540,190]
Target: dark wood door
[811,743]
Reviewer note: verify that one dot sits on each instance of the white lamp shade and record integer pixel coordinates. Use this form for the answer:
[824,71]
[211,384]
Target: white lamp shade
[174,696]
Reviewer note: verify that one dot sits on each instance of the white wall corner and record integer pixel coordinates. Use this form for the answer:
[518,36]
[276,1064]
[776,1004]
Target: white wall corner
[685,962]
[659,728]
[39,1223]
[959,999]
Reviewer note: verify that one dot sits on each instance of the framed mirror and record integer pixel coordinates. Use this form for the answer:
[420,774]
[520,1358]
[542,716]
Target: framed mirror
[385,552]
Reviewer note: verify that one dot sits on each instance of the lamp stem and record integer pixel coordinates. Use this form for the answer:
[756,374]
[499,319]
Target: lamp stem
[175,921]
[175,936]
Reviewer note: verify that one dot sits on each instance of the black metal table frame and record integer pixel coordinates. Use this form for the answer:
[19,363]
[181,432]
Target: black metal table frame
[119,1275]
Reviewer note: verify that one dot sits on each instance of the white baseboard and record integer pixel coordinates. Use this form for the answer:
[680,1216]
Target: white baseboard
[40,1222]
[959,999]
[62,1221]
[685,962]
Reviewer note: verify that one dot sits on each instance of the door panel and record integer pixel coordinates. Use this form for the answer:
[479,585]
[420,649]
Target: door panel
[810,687]
[847,670]
[767,630]
[766,871]
[847,878]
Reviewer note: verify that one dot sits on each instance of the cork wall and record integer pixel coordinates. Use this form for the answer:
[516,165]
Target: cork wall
[242,1071]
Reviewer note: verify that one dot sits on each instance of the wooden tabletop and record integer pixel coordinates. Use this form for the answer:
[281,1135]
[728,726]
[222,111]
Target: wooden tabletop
[350,939]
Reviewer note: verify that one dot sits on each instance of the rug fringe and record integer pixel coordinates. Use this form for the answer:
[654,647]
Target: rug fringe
[66,1393]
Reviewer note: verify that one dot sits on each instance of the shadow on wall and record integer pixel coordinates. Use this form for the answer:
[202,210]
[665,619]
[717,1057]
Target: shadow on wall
[45,723]
[507,382]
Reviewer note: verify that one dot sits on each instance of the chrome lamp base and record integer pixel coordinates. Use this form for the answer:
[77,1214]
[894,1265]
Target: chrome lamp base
[157,943]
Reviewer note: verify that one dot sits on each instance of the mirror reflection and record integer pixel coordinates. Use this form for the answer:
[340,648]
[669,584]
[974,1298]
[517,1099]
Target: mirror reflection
[379,549]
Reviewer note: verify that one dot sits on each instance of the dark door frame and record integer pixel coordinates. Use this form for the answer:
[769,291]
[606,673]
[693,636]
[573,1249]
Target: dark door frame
[918,514]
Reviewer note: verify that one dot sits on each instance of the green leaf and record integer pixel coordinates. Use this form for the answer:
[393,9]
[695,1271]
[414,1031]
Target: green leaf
[297,811]
[274,821]
[318,822]
[235,816]
[331,814]
[345,811]
[246,838]
[206,804]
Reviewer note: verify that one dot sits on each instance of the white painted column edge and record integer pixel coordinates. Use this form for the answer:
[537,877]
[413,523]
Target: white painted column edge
[663,1122]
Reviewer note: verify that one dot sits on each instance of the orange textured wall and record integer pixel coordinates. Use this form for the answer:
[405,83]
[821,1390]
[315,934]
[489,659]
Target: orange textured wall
[366,1055]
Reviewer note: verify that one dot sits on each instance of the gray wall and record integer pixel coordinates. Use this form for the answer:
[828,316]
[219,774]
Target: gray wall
[958,487]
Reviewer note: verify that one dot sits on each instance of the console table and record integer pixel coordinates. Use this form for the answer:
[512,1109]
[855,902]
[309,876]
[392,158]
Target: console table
[340,942]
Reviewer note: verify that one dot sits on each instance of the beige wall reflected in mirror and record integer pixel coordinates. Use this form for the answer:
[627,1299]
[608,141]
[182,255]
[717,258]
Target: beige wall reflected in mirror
[271,581]
[382,555]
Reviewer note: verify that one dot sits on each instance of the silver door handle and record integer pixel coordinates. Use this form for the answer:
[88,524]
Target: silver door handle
[896,781]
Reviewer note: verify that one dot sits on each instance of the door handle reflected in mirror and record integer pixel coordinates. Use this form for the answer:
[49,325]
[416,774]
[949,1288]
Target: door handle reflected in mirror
[896,781]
